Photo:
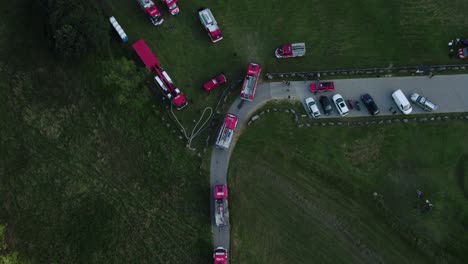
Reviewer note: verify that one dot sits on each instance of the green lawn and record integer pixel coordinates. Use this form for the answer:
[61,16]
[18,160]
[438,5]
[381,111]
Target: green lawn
[306,195]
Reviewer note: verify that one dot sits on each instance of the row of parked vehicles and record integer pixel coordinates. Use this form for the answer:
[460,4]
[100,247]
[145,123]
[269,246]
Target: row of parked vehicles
[343,106]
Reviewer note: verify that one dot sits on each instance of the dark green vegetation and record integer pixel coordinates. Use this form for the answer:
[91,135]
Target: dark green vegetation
[306,195]
[88,171]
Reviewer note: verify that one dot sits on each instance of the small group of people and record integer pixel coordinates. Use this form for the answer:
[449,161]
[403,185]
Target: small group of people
[288,83]
[427,204]
[455,44]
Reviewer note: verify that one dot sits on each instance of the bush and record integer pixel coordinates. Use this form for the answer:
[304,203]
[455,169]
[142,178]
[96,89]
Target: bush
[125,83]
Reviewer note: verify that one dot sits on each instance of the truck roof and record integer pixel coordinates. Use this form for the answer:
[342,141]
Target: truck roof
[180,101]
[220,211]
[145,54]
[146,3]
[220,191]
[207,17]
[149,7]
[227,131]
[250,81]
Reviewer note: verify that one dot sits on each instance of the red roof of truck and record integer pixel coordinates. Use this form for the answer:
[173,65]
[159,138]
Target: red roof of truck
[220,192]
[180,101]
[287,49]
[230,121]
[145,54]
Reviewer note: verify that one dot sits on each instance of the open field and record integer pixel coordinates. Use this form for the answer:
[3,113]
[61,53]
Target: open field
[306,195]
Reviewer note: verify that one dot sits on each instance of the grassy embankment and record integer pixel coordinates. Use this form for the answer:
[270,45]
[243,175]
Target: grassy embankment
[306,195]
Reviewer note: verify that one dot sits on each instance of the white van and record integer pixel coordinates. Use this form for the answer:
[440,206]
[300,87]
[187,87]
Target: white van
[402,102]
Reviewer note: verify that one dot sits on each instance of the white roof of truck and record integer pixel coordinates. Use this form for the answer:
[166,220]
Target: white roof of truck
[249,84]
[207,17]
[227,131]
[220,211]
[224,137]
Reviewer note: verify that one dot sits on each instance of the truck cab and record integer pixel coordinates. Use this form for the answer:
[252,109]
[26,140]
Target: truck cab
[151,11]
[172,6]
[220,255]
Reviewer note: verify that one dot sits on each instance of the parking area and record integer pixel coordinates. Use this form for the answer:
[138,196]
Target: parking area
[449,92]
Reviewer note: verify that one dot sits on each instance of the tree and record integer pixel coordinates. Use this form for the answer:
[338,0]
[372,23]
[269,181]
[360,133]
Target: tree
[76,27]
[69,43]
[6,257]
[125,82]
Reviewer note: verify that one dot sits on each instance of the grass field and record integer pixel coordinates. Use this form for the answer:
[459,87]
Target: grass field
[306,195]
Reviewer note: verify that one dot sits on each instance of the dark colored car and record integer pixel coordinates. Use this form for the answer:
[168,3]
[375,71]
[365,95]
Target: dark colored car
[370,104]
[326,105]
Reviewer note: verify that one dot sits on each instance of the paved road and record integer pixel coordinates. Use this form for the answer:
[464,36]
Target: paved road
[450,92]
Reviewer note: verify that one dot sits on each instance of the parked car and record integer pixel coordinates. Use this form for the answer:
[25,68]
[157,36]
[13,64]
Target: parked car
[340,104]
[312,107]
[321,87]
[402,102]
[216,81]
[423,102]
[370,104]
[326,105]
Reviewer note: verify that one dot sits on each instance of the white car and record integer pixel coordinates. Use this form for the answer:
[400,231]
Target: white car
[312,107]
[340,104]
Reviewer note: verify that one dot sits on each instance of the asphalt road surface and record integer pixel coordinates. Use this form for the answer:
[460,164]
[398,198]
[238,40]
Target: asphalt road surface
[449,92]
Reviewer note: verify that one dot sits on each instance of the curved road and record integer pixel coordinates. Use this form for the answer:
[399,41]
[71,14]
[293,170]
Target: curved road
[447,91]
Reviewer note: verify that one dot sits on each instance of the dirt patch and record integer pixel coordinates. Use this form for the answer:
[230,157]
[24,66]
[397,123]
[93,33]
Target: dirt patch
[364,150]
[252,40]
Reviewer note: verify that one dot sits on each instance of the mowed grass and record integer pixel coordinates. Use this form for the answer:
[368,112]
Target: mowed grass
[306,195]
